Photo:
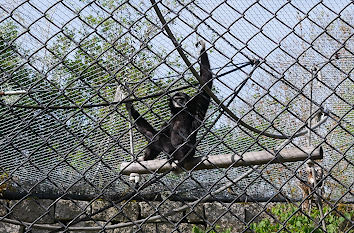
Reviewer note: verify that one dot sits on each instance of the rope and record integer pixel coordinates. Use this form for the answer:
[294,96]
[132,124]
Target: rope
[85,106]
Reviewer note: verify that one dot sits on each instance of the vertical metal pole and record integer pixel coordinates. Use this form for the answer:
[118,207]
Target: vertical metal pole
[131,137]
[133,176]
[318,199]
[314,69]
[313,171]
[131,133]
[118,96]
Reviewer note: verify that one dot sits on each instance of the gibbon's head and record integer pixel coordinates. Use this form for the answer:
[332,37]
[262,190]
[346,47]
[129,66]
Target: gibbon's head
[179,101]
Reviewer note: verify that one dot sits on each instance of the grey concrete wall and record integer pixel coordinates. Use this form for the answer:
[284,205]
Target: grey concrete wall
[59,212]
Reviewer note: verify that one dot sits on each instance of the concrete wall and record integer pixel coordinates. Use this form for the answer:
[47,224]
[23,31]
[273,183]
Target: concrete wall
[62,211]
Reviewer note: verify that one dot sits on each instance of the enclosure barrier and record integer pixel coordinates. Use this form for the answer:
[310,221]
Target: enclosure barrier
[274,146]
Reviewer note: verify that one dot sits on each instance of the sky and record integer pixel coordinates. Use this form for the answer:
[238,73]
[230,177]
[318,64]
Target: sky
[234,29]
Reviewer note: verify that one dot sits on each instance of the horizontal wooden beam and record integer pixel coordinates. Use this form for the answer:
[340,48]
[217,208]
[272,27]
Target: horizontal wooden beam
[21,92]
[225,160]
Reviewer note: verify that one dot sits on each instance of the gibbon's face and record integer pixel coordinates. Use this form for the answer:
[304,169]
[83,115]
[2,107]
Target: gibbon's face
[180,100]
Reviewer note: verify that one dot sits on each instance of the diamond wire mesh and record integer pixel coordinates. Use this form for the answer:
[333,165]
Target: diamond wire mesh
[69,133]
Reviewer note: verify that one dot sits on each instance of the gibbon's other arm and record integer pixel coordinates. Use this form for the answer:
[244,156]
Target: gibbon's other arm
[158,141]
[142,125]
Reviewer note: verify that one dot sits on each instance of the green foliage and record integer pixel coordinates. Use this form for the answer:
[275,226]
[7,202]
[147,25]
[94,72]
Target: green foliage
[289,216]
[13,68]
[218,229]
[3,181]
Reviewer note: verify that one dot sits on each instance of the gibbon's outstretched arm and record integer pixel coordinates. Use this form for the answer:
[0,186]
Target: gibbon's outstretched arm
[202,100]
[205,72]
[142,125]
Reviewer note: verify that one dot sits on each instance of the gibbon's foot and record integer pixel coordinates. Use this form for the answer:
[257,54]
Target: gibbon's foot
[174,164]
[140,159]
[134,177]
[176,167]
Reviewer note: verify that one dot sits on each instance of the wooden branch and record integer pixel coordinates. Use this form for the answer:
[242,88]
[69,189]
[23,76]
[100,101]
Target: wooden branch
[225,160]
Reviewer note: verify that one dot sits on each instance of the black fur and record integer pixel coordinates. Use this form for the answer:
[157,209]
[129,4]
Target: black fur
[177,137]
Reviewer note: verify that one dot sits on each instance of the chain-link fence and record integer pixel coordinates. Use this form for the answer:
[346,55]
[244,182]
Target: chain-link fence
[279,126]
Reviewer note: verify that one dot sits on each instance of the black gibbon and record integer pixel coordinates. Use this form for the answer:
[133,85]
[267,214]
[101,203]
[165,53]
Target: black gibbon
[177,137]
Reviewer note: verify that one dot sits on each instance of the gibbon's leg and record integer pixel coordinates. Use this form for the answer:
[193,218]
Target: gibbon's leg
[183,154]
[150,153]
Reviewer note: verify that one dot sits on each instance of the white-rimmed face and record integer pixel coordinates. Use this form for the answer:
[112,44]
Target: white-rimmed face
[180,100]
